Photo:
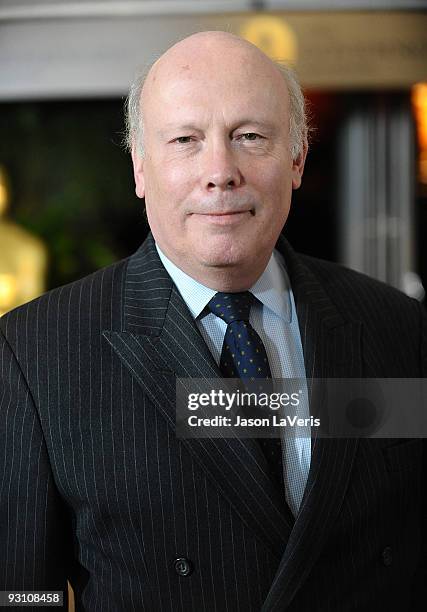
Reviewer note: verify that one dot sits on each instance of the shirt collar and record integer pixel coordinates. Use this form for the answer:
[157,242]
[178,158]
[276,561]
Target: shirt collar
[272,288]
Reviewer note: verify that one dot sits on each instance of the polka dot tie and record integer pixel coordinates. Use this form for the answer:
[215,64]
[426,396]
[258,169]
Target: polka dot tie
[244,356]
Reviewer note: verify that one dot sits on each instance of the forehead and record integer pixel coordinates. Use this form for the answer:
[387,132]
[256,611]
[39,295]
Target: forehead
[222,82]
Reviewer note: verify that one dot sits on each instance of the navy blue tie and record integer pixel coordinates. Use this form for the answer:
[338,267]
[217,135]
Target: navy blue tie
[244,356]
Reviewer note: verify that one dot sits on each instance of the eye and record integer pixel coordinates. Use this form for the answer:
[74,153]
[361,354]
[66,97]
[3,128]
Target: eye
[250,136]
[182,139]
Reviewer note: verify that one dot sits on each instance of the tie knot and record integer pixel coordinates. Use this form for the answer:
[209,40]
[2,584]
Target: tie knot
[232,306]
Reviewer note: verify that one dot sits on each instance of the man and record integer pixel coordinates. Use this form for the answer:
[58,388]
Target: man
[96,486]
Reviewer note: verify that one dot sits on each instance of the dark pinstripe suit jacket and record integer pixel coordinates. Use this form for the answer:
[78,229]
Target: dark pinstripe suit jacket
[94,485]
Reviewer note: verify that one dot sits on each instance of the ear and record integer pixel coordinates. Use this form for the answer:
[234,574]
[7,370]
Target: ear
[138,172]
[298,166]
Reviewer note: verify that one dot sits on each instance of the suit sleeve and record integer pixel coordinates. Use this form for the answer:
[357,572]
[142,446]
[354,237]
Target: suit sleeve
[34,532]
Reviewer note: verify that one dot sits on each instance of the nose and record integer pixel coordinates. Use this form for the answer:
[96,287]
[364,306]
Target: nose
[221,170]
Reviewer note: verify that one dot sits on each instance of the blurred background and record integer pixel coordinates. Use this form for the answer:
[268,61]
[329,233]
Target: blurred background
[67,202]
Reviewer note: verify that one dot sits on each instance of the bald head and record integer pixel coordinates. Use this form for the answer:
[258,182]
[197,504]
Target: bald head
[215,55]
[205,43]
[212,53]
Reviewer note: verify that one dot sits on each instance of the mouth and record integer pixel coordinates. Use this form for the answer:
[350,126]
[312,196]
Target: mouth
[226,217]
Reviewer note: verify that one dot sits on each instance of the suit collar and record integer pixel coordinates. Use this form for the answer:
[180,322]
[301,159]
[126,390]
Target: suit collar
[147,292]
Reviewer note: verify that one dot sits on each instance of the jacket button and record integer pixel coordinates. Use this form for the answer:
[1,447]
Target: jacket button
[183,566]
[387,556]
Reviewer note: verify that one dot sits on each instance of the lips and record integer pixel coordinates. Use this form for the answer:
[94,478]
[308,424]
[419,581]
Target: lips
[225,213]
[224,217]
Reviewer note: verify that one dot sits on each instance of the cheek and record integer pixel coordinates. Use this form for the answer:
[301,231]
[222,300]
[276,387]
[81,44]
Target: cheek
[166,195]
[274,187]
[170,185]
[272,178]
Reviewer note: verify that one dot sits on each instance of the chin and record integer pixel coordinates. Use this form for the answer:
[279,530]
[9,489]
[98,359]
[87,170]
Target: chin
[221,263]
[223,260]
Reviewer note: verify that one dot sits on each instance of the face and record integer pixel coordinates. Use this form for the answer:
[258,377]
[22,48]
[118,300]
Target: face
[217,174]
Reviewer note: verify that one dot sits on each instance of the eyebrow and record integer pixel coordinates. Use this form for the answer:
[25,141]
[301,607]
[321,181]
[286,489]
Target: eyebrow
[177,126]
[265,125]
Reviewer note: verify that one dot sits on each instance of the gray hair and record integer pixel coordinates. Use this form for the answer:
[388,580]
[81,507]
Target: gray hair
[298,120]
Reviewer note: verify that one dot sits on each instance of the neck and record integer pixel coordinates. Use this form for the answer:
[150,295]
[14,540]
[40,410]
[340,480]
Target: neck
[227,279]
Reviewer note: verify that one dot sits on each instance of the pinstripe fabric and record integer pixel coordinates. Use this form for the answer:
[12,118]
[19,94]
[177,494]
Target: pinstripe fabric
[96,487]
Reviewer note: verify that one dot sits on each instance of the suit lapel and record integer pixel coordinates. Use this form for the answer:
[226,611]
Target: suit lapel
[331,348]
[159,342]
